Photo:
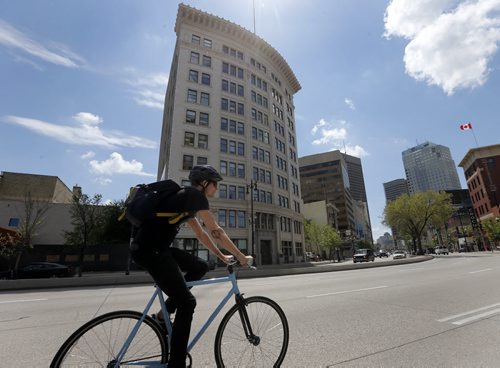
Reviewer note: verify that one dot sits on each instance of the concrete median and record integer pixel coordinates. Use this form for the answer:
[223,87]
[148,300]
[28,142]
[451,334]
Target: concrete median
[141,277]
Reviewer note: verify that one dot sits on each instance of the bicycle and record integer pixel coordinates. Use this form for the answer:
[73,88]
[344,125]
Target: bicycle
[253,333]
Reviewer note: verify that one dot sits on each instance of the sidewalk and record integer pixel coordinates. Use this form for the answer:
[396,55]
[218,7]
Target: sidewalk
[141,277]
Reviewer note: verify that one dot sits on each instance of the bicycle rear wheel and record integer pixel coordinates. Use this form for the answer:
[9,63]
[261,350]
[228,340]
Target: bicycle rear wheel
[265,347]
[97,343]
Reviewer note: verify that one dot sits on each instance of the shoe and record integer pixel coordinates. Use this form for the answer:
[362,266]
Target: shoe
[158,318]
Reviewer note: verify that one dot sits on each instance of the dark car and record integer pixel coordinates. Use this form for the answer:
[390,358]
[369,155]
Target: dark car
[40,270]
[363,255]
[382,253]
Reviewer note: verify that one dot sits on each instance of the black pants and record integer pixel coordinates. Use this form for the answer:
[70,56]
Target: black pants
[166,268]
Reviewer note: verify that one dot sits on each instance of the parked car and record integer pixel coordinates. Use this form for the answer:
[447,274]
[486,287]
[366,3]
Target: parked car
[39,270]
[441,250]
[382,253]
[398,254]
[312,257]
[363,255]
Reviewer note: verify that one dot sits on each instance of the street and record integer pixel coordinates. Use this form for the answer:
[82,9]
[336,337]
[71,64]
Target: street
[441,313]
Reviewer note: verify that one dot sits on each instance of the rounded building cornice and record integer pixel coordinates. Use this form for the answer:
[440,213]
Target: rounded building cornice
[187,14]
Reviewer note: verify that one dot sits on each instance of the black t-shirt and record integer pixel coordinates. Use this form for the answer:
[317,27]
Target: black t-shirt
[158,234]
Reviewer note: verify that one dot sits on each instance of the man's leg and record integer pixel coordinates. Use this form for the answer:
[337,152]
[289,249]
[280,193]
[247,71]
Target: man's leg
[167,274]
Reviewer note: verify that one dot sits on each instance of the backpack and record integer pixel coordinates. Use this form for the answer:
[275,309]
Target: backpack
[143,200]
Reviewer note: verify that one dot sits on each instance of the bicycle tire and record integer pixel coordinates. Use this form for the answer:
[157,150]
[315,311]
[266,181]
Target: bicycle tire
[97,342]
[269,324]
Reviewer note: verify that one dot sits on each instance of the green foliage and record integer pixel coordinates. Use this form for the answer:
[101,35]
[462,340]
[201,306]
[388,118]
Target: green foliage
[492,229]
[323,236]
[114,231]
[410,215]
[312,232]
[87,220]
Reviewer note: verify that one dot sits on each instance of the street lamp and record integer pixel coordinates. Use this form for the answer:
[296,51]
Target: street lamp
[251,189]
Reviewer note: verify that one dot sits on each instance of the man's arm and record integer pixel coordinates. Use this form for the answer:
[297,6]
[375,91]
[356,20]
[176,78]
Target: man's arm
[205,239]
[219,235]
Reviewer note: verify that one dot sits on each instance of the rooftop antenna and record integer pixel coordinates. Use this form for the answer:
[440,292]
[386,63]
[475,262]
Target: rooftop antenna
[253,1]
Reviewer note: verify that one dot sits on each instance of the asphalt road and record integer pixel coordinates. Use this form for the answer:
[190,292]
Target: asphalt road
[440,313]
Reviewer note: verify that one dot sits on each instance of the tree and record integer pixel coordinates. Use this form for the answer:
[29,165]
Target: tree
[86,218]
[329,239]
[33,216]
[411,214]
[113,230]
[492,229]
[312,231]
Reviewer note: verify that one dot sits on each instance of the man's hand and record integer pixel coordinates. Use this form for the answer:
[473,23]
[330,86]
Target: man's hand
[245,260]
[227,259]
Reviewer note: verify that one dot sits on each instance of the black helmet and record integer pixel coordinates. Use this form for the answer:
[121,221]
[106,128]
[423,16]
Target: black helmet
[200,173]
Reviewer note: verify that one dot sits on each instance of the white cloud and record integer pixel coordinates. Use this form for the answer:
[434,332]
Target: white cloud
[355,150]
[103,181]
[450,45]
[115,164]
[87,134]
[328,131]
[148,90]
[335,135]
[88,155]
[350,103]
[59,55]
[87,118]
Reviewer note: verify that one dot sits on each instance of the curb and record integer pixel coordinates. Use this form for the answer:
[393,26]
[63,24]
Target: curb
[141,277]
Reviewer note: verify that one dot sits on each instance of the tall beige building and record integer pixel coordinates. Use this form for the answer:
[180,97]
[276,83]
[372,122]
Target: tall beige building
[229,103]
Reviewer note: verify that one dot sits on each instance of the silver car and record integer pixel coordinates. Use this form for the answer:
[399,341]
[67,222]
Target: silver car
[399,254]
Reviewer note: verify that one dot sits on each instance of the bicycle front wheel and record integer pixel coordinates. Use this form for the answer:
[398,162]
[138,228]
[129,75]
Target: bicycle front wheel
[97,343]
[261,344]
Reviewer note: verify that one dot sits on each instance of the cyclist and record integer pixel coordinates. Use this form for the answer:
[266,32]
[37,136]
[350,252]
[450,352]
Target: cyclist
[152,250]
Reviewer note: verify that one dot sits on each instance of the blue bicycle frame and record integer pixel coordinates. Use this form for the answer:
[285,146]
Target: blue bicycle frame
[159,294]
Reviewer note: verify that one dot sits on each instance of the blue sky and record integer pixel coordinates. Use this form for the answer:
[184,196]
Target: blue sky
[82,83]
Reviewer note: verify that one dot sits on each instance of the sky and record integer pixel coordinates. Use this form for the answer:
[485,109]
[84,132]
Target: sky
[82,83]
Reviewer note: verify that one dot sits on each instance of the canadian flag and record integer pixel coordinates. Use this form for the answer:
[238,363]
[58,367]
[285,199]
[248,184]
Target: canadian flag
[466,126]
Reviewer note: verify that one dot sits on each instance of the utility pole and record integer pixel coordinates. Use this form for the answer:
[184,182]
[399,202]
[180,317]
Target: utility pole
[251,188]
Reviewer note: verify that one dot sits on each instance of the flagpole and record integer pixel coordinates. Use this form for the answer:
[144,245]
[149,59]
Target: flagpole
[474,135]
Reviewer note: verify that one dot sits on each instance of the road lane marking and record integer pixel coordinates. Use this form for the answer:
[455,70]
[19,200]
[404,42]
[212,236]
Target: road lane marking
[486,269]
[476,317]
[347,291]
[467,313]
[22,301]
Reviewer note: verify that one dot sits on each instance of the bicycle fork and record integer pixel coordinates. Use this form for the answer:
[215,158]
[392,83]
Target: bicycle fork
[245,321]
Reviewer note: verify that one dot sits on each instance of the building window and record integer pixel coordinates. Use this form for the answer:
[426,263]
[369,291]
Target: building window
[241,170]
[241,219]
[205,99]
[13,222]
[205,79]
[193,76]
[204,118]
[195,58]
[200,160]
[222,191]
[189,139]
[223,167]
[203,141]
[222,218]
[190,116]
[207,61]
[187,162]
[192,96]
[195,39]
[207,43]
[223,145]
[232,218]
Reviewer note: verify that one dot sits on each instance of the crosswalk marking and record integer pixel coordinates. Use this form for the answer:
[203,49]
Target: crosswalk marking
[473,316]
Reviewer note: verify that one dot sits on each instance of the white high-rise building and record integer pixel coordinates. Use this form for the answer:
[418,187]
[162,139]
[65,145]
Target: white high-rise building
[429,166]
[229,103]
